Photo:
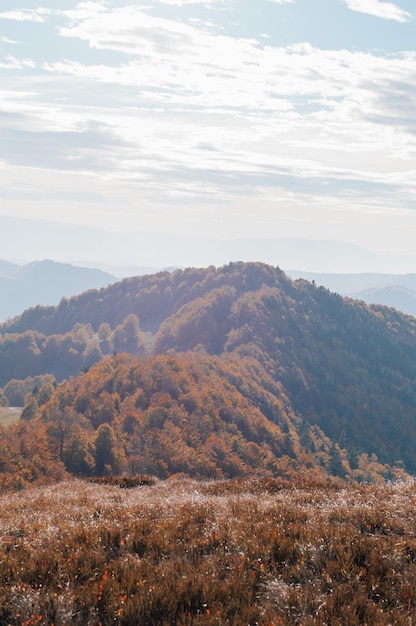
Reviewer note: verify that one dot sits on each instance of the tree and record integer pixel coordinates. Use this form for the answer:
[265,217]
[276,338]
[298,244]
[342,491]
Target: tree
[77,455]
[60,429]
[127,336]
[105,451]
[104,336]
[30,410]
[45,393]
[92,354]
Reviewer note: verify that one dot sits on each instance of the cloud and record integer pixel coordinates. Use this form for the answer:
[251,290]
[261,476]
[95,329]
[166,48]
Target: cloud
[176,112]
[181,3]
[181,65]
[385,10]
[260,106]
[89,148]
[12,62]
[8,40]
[126,30]
[23,16]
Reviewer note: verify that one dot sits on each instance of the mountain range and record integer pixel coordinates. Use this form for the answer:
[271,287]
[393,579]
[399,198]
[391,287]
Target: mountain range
[217,372]
[83,246]
[394,290]
[44,282]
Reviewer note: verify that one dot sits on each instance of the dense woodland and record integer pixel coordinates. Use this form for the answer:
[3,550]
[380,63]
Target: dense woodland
[214,373]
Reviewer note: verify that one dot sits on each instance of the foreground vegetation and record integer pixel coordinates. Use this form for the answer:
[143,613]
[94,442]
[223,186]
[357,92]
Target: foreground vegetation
[258,551]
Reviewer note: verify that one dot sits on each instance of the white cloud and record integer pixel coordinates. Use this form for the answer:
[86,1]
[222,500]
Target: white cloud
[187,114]
[8,40]
[182,65]
[385,10]
[12,62]
[181,3]
[133,31]
[85,10]
[255,123]
[23,16]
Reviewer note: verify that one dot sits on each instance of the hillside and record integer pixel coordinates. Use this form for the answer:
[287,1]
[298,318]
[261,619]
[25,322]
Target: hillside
[283,376]
[7,268]
[396,296]
[44,282]
[170,415]
[152,297]
[394,290]
[186,552]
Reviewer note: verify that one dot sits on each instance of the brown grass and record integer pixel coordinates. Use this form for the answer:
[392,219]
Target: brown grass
[183,552]
[124,482]
[9,415]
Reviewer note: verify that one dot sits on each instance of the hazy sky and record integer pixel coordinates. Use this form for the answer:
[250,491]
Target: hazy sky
[227,118]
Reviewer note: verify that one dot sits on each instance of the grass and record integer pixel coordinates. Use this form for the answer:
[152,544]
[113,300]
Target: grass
[9,415]
[233,552]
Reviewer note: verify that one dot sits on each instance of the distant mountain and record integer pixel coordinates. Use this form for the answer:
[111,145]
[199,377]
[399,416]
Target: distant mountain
[36,239]
[44,282]
[394,290]
[222,350]
[126,271]
[7,268]
[395,296]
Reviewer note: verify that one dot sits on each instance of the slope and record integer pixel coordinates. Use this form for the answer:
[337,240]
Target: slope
[396,296]
[346,367]
[176,414]
[153,298]
[44,282]
[7,268]
[342,367]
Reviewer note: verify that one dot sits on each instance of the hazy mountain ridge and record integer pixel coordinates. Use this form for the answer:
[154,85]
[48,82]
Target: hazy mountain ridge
[7,268]
[152,297]
[44,283]
[394,290]
[396,296]
[333,376]
[40,239]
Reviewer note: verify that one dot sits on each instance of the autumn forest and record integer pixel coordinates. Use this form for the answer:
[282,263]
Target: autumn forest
[223,382]
[211,373]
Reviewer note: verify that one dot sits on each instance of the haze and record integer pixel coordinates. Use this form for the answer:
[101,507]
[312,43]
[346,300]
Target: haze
[214,119]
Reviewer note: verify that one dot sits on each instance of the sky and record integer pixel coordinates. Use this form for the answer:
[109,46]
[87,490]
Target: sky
[212,118]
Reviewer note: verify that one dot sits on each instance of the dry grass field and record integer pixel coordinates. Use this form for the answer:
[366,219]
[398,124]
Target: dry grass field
[9,415]
[183,552]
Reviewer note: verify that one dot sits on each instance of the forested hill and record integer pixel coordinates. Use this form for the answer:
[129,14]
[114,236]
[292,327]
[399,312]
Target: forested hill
[152,297]
[343,372]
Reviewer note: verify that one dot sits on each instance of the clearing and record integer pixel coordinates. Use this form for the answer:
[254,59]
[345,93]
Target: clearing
[9,415]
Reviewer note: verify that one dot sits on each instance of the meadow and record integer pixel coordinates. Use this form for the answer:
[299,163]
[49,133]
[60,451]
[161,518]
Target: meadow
[9,415]
[254,551]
